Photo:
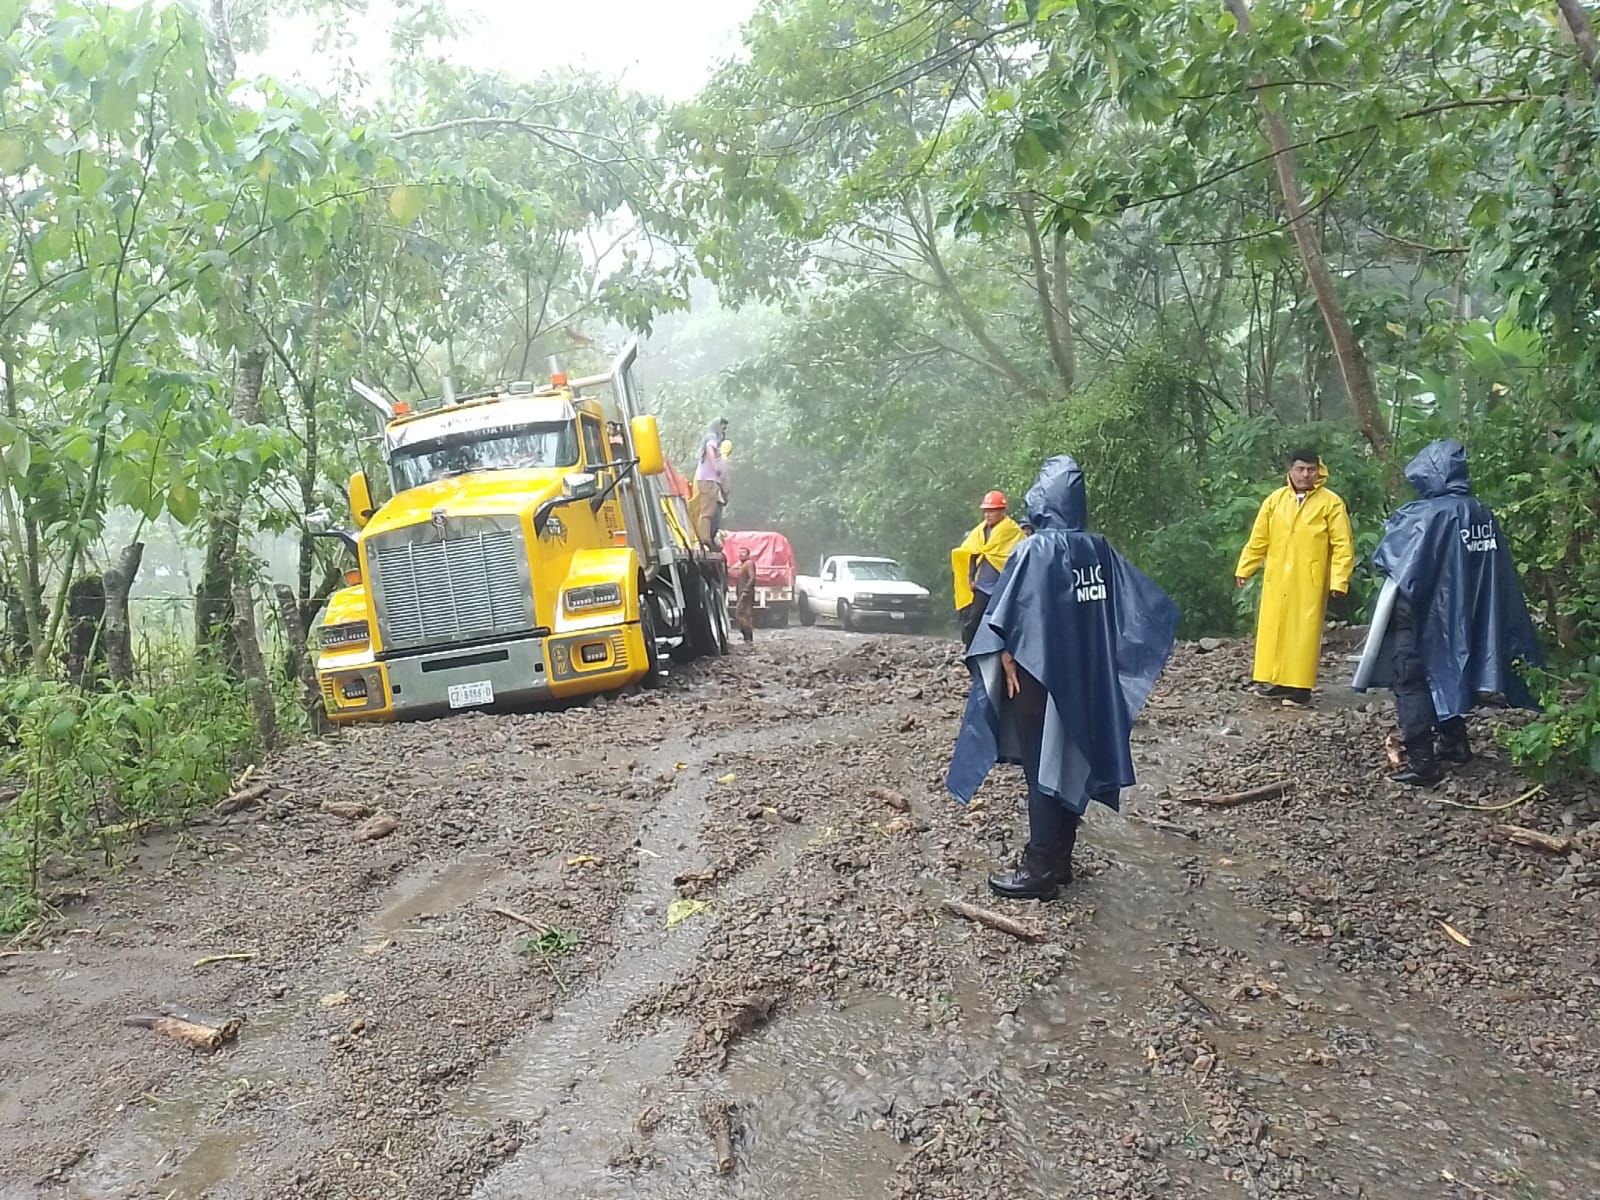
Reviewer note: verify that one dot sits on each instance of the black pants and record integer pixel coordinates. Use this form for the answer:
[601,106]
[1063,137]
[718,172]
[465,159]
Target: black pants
[972,617]
[1413,700]
[1052,826]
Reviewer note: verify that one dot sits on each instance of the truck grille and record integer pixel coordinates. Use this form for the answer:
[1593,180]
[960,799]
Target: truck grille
[436,587]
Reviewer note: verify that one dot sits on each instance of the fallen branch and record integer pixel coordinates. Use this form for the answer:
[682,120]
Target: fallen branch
[1204,1007]
[971,912]
[243,799]
[890,797]
[538,928]
[1269,791]
[1533,839]
[184,1026]
[718,1114]
[380,826]
[233,956]
[1166,827]
[347,810]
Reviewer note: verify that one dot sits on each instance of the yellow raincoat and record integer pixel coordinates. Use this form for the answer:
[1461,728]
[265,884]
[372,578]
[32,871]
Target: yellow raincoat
[1308,552]
[1003,539]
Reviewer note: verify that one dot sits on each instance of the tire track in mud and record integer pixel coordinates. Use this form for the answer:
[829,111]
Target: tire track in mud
[580,1078]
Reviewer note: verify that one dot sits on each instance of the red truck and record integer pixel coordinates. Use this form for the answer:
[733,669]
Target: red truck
[774,559]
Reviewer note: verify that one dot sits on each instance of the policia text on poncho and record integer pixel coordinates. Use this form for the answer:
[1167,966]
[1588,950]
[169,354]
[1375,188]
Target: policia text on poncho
[1087,628]
[1304,551]
[1450,624]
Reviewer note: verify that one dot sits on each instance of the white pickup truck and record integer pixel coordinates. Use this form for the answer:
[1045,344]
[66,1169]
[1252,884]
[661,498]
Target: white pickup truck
[855,589]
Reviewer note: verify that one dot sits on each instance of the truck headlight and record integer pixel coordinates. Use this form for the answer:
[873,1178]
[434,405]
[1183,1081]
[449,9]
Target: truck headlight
[594,595]
[346,633]
[866,598]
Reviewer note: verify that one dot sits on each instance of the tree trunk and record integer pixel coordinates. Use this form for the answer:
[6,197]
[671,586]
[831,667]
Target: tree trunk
[252,668]
[298,661]
[1578,24]
[1353,366]
[1060,355]
[24,544]
[118,628]
[86,616]
[214,616]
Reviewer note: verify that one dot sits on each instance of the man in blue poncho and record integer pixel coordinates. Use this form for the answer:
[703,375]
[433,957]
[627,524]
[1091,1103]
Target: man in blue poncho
[1450,624]
[1068,649]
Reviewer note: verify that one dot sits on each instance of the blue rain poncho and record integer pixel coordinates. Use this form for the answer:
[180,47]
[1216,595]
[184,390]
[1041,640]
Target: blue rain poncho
[1089,627]
[1446,553]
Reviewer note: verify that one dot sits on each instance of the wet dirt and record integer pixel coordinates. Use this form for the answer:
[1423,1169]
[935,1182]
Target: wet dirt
[1271,1007]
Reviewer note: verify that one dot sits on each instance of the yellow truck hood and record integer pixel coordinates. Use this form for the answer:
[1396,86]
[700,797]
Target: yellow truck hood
[483,493]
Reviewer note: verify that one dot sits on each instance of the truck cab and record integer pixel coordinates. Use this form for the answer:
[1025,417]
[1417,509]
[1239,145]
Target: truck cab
[529,552]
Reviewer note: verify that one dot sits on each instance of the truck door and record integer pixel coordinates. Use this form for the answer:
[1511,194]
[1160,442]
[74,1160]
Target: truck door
[595,459]
[830,584]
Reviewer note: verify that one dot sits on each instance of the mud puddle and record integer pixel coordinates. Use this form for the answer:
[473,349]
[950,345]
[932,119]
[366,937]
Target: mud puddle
[438,890]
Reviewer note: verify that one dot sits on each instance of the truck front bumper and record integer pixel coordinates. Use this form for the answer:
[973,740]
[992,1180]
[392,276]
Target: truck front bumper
[519,671]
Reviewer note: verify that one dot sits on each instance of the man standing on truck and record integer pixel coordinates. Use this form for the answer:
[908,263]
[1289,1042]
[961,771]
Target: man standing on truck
[744,612]
[709,476]
[976,563]
[1064,657]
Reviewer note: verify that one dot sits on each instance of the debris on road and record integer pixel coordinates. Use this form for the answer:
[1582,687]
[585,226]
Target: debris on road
[184,1026]
[380,826]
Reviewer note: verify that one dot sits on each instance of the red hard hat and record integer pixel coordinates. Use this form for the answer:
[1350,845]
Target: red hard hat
[994,500]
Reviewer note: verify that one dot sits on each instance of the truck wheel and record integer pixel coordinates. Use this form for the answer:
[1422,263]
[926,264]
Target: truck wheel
[653,677]
[802,608]
[780,616]
[847,619]
[703,627]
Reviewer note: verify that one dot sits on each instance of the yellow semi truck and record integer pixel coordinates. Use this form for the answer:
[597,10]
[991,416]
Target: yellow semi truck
[533,549]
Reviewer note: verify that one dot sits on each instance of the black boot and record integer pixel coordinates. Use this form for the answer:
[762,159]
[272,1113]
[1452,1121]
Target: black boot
[1420,771]
[1035,877]
[1453,744]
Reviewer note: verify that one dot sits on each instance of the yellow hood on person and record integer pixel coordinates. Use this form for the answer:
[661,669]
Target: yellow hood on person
[1304,551]
[1002,540]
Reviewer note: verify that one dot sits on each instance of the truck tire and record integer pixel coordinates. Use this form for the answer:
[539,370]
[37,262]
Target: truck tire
[653,676]
[847,619]
[802,608]
[704,630]
[780,616]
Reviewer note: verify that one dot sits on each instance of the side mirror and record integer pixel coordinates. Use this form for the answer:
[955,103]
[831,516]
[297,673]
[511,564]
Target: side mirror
[360,499]
[647,445]
[319,520]
[580,485]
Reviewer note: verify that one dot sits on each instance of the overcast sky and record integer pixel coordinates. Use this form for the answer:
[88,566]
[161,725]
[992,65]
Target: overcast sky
[656,46]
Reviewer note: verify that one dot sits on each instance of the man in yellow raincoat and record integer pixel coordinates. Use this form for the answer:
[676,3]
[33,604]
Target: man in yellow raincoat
[1302,539]
[976,563]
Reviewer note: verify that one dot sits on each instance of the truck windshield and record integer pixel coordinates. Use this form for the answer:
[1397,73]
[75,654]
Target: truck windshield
[511,448]
[876,570]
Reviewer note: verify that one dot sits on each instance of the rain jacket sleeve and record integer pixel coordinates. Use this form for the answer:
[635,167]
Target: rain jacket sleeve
[1255,550]
[1341,550]
[996,550]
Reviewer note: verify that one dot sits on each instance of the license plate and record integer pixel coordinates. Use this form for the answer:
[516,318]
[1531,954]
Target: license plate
[897,616]
[465,695]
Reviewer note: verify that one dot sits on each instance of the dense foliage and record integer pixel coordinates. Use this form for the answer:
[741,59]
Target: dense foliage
[934,243]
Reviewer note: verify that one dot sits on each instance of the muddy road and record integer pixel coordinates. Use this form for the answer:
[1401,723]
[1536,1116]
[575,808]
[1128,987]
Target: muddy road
[587,926]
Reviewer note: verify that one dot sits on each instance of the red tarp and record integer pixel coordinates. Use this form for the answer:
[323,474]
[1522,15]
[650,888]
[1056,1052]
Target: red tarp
[774,557]
[677,484]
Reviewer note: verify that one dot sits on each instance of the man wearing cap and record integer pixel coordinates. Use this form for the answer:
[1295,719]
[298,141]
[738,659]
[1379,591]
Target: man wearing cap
[976,563]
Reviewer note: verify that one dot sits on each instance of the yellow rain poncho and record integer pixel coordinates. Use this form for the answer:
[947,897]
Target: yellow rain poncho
[1308,552]
[1003,539]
